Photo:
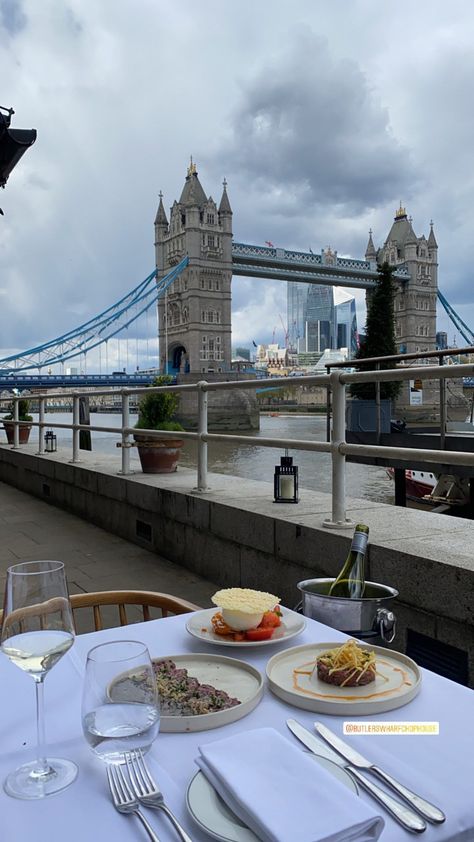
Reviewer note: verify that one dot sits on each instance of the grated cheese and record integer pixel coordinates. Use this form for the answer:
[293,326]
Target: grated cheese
[349,656]
[245,600]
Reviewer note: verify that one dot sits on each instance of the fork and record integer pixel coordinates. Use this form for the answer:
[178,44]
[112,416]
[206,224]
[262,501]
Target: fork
[147,791]
[123,798]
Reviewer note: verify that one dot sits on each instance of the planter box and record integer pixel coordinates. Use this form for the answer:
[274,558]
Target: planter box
[158,456]
[24,433]
[361,416]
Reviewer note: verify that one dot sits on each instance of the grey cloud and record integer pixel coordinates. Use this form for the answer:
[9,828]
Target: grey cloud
[310,124]
[12,16]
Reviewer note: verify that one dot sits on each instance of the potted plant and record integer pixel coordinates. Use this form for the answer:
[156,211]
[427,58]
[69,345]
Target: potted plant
[155,412]
[23,431]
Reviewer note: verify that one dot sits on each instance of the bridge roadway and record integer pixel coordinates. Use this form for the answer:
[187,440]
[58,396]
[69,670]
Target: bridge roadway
[24,382]
[305,267]
[12,381]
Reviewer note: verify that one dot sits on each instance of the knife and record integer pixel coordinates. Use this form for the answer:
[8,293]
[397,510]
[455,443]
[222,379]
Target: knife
[403,815]
[423,807]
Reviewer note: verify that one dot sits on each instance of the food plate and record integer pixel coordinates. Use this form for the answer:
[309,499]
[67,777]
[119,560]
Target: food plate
[238,679]
[398,683]
[200,626]
[213,815]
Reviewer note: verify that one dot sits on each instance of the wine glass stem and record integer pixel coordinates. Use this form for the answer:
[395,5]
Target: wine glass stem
[43,767]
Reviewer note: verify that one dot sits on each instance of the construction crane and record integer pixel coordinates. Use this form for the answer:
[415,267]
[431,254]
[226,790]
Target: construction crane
[285,330]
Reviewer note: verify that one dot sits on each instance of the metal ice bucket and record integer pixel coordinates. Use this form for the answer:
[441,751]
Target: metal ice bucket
[368,617]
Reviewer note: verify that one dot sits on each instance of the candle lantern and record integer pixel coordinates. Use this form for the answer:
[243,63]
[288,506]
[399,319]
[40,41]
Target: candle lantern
[51,442]
[285,481]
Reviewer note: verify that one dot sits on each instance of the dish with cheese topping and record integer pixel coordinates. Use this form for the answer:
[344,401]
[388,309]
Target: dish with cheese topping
[246,614]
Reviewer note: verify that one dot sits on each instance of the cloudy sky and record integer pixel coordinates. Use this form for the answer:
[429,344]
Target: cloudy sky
[322,116]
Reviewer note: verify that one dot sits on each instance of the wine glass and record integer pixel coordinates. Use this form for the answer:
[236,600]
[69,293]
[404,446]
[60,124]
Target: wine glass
[120,708]
[38,629]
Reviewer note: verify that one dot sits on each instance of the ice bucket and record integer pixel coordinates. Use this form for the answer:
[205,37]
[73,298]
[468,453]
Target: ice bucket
[368,617]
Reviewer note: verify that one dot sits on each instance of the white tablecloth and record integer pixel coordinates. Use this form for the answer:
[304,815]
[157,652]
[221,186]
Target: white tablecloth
[440,767]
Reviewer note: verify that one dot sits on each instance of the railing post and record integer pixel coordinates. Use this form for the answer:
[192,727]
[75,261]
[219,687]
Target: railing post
[378,419]
[75,432]
[328,407]
[202,430]
[339,519]
[41,427]
[442,408]
[16,416]
[125,436]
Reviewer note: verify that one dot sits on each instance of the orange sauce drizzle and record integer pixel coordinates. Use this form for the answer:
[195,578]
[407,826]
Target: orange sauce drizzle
[349,698]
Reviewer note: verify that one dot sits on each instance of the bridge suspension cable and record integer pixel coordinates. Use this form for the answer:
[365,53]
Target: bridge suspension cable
[98,330]
[465,331]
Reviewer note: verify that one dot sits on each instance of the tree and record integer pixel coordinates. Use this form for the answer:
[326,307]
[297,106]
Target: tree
[380,336]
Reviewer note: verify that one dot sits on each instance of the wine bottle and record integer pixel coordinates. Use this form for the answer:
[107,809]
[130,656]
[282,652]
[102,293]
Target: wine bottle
[351,580]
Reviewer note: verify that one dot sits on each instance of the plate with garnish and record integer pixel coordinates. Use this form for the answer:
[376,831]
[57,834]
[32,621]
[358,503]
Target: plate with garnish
[244,617]
[197,691]
[344,679]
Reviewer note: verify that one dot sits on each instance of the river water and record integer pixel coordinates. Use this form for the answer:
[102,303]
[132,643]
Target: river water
[252,462]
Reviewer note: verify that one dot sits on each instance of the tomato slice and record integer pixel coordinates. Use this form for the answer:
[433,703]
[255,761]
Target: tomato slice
[259,633]
[270,620]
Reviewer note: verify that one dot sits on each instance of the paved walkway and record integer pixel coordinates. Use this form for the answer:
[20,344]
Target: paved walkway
[95,560]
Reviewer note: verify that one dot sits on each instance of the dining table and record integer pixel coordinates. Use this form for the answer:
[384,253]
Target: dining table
[438,766]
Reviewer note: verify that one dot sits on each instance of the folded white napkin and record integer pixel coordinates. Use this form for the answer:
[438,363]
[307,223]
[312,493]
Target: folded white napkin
[283,794]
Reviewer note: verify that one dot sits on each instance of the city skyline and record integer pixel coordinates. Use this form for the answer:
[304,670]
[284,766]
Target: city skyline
[320,134]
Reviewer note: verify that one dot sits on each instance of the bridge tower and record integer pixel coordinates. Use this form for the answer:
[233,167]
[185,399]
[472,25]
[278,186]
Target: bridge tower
[194,318]
[415,315]
[415,299]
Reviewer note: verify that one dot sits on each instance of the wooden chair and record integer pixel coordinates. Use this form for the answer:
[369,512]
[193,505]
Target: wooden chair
[146,599]
[166,603]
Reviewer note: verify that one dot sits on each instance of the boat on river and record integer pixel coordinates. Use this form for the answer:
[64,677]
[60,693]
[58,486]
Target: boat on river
[418,483]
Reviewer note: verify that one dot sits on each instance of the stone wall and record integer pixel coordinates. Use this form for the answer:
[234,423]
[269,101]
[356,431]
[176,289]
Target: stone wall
[228,411]
[235,535]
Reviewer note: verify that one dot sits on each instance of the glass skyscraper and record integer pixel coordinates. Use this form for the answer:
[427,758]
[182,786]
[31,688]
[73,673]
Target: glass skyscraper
[297,294]
[316,323]
[346,319]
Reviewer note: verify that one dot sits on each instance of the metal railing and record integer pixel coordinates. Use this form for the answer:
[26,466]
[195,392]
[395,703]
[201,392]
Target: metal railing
[404,359]
[338,447]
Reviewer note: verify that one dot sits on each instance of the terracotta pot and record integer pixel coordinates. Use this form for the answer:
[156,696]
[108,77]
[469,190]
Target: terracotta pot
[24,433]
[158,456]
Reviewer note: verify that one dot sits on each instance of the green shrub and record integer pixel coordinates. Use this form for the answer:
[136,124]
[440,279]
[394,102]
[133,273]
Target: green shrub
[156,410]
[380,336]
[23,407]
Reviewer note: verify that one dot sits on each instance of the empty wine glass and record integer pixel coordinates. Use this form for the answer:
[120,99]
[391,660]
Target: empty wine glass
[120,708]
[38,629]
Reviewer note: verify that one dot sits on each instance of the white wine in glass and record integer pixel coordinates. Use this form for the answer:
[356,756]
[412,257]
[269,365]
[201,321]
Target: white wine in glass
[38,629]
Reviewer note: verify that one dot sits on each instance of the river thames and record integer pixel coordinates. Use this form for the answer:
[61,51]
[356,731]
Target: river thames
[252,462]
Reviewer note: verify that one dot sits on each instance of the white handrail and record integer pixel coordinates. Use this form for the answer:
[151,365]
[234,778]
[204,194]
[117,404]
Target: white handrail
[337,447]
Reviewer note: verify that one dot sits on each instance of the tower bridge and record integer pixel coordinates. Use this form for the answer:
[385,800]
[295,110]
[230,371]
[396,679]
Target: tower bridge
[195,313]
[196,257]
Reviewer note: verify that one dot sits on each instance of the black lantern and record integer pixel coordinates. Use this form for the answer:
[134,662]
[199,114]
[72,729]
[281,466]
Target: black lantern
[51,442]
[13,144]
[285,481]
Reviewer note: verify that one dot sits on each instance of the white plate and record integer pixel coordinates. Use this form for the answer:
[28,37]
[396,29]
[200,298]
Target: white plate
[398,683]
[237,678]
[200,626]
[213,815]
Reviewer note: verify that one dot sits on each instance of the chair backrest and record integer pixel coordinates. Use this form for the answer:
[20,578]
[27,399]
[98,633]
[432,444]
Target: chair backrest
[145,599]
[166,603]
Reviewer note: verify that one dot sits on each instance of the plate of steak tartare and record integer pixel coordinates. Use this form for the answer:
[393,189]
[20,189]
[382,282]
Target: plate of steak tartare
[199,692]
[295,676]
